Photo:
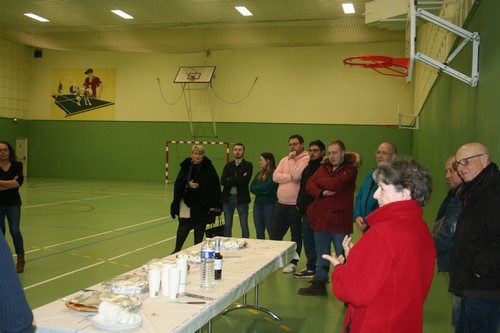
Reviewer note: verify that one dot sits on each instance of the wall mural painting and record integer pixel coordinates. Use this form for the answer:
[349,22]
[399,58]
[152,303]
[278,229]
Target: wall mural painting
[83,94]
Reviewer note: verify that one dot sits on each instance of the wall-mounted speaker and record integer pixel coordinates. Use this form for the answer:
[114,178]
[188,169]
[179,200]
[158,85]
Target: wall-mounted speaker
[38,53]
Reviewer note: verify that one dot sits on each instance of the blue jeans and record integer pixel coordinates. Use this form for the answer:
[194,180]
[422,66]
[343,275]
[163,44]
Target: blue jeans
[323,245]
[263,219]
[285,217]
[478,315]
[309,244]
[242,209]
[455,310]
[13,214]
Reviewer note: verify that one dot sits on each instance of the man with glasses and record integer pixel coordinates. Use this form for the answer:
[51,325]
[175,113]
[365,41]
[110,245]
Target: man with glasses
[365,203]
[475,268]
[286,215]
[332,186]
[316,153]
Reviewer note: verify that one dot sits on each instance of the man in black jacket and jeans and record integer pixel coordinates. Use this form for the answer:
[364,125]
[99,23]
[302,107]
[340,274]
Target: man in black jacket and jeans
[235,179]
[316,153]
[475,266]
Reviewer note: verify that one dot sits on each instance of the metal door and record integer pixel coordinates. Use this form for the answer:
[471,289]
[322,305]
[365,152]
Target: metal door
[22,153]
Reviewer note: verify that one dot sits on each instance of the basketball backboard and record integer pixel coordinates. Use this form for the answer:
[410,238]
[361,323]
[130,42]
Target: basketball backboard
[194,74]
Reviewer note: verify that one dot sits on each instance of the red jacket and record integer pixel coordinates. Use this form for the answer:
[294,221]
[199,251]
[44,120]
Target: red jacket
[388,272]
[332,213]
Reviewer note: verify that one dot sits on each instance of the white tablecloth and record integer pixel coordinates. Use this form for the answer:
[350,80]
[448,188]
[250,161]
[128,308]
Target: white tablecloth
[243,269]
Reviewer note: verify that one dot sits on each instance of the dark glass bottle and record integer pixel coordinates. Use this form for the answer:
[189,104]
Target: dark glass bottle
[217,260]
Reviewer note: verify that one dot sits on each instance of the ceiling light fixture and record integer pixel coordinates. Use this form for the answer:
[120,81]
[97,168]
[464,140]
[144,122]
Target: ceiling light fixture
[36,17]
[348,8]
[243,11]
[122,14]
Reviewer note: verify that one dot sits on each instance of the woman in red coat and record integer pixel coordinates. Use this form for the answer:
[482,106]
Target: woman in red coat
[387,275]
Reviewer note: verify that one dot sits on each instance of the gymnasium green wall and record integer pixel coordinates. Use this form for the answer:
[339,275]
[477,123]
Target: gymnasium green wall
[10,129]
[135,151]
[456,113]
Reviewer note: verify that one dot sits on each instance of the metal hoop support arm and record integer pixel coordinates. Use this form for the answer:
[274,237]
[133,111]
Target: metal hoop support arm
[467,37]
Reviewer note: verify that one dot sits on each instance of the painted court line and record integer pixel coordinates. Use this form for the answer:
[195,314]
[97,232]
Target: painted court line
[107,232]
[63,275]
[100,234]
[94,235]
[97,263]
[73,201]
[60,185]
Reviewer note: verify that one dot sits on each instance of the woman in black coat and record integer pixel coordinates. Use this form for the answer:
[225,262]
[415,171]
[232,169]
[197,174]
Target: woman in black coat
[197,196]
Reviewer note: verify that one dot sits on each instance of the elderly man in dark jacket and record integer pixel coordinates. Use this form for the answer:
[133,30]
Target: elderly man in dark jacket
[475,267]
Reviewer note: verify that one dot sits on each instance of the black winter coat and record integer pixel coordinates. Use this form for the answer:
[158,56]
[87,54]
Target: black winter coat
[445,227]
[475,269]
[202,199]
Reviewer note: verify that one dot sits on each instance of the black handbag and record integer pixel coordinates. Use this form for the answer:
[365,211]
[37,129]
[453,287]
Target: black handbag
[216,229]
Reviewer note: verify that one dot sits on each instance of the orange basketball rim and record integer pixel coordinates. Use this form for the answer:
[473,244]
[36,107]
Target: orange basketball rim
[381,64]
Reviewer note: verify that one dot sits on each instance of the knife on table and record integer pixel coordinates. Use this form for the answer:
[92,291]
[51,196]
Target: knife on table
[199,296]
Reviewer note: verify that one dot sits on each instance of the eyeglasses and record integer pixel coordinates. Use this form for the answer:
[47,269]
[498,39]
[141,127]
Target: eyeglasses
[4,150]
[314,150]
[383,153]
[464,161]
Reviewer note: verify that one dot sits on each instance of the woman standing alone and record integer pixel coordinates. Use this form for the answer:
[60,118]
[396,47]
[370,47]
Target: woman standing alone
[11,178]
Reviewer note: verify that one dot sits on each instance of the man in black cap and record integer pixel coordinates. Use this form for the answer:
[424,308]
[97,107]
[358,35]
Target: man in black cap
[94,83]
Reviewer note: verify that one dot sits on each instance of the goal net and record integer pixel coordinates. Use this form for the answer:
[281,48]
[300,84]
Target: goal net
[177,151]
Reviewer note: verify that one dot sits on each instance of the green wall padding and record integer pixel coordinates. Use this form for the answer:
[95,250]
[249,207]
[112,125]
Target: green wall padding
[136,150]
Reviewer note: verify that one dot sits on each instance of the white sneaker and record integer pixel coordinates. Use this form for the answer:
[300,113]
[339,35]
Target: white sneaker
[290,268]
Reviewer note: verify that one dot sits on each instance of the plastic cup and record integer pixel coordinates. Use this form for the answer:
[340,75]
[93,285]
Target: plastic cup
[154,278]
[174,279]
[165,272]
[182,265]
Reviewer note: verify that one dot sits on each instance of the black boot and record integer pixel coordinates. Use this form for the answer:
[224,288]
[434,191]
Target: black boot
[20,263]
[317,288]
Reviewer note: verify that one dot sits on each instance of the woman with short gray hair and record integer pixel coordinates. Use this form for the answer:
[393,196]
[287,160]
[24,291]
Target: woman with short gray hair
[406,173]
[387,275]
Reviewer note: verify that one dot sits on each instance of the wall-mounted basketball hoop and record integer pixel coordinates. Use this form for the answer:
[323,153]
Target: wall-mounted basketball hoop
[196,79]
[381,64]
[195,74]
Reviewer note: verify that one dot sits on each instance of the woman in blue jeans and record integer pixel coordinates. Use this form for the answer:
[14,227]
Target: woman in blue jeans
[11,178]
[265,195]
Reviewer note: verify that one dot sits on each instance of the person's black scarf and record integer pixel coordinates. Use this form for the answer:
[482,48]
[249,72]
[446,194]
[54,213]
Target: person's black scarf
[477,183]
[190,175]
